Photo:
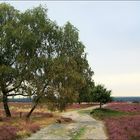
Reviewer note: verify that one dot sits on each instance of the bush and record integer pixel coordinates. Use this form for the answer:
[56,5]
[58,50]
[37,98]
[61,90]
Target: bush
[8,133]
[16,132]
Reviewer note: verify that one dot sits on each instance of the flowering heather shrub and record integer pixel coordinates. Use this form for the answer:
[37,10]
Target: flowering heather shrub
[42,114]
[23,114]
[17,105]
[5,119]
[74,106]
[127,107]
[124,128]
[37,114]
[8,132]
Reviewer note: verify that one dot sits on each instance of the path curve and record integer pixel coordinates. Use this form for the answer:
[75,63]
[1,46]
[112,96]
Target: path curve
[83,127]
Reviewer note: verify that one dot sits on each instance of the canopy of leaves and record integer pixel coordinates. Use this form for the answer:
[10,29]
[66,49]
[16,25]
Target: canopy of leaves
[39,58]
[101,94]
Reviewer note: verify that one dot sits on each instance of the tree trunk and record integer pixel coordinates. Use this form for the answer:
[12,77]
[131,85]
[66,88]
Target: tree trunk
[35,103]
[5,104]
[100,105]
[33,108]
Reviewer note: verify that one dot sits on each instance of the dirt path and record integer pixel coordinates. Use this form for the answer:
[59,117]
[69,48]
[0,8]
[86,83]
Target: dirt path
[83,127]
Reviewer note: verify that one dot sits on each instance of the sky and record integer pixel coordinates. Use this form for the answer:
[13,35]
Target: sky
[110,30]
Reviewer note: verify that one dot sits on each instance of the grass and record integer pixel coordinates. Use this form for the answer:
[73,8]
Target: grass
[105,113]
[84,111]
[78,134]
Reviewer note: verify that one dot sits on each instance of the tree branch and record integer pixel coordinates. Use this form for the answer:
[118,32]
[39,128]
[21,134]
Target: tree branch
[21,94]
[14,87]
[18,94]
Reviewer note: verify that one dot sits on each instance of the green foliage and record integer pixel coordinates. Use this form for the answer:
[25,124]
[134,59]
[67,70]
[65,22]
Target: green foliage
[69,69]
[102,113]
[39,58]
[8,46]
[10,74]
[85,92]
[101,94]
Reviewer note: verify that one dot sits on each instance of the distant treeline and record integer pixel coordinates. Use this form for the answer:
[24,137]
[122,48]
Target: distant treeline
[127,99]
[118,99]
[20,100]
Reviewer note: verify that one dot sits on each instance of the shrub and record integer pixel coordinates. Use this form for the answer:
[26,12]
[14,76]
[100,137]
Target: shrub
[8,132]
[20,130]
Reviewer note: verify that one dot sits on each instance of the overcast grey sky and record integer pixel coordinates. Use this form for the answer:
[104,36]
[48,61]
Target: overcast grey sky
[111,34]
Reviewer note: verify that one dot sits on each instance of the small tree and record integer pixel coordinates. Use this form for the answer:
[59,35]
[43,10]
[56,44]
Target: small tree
[101,94]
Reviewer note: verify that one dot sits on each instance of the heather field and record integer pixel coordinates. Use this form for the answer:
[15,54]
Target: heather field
[126,127]
[18,127]
[123,128]
[122,120]
[126,107]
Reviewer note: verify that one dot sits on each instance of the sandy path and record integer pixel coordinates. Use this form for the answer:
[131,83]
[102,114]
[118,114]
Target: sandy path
[84,126]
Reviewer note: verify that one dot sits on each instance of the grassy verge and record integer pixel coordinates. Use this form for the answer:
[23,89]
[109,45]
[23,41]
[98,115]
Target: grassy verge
[105,113]
[78,134]
[84,111]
